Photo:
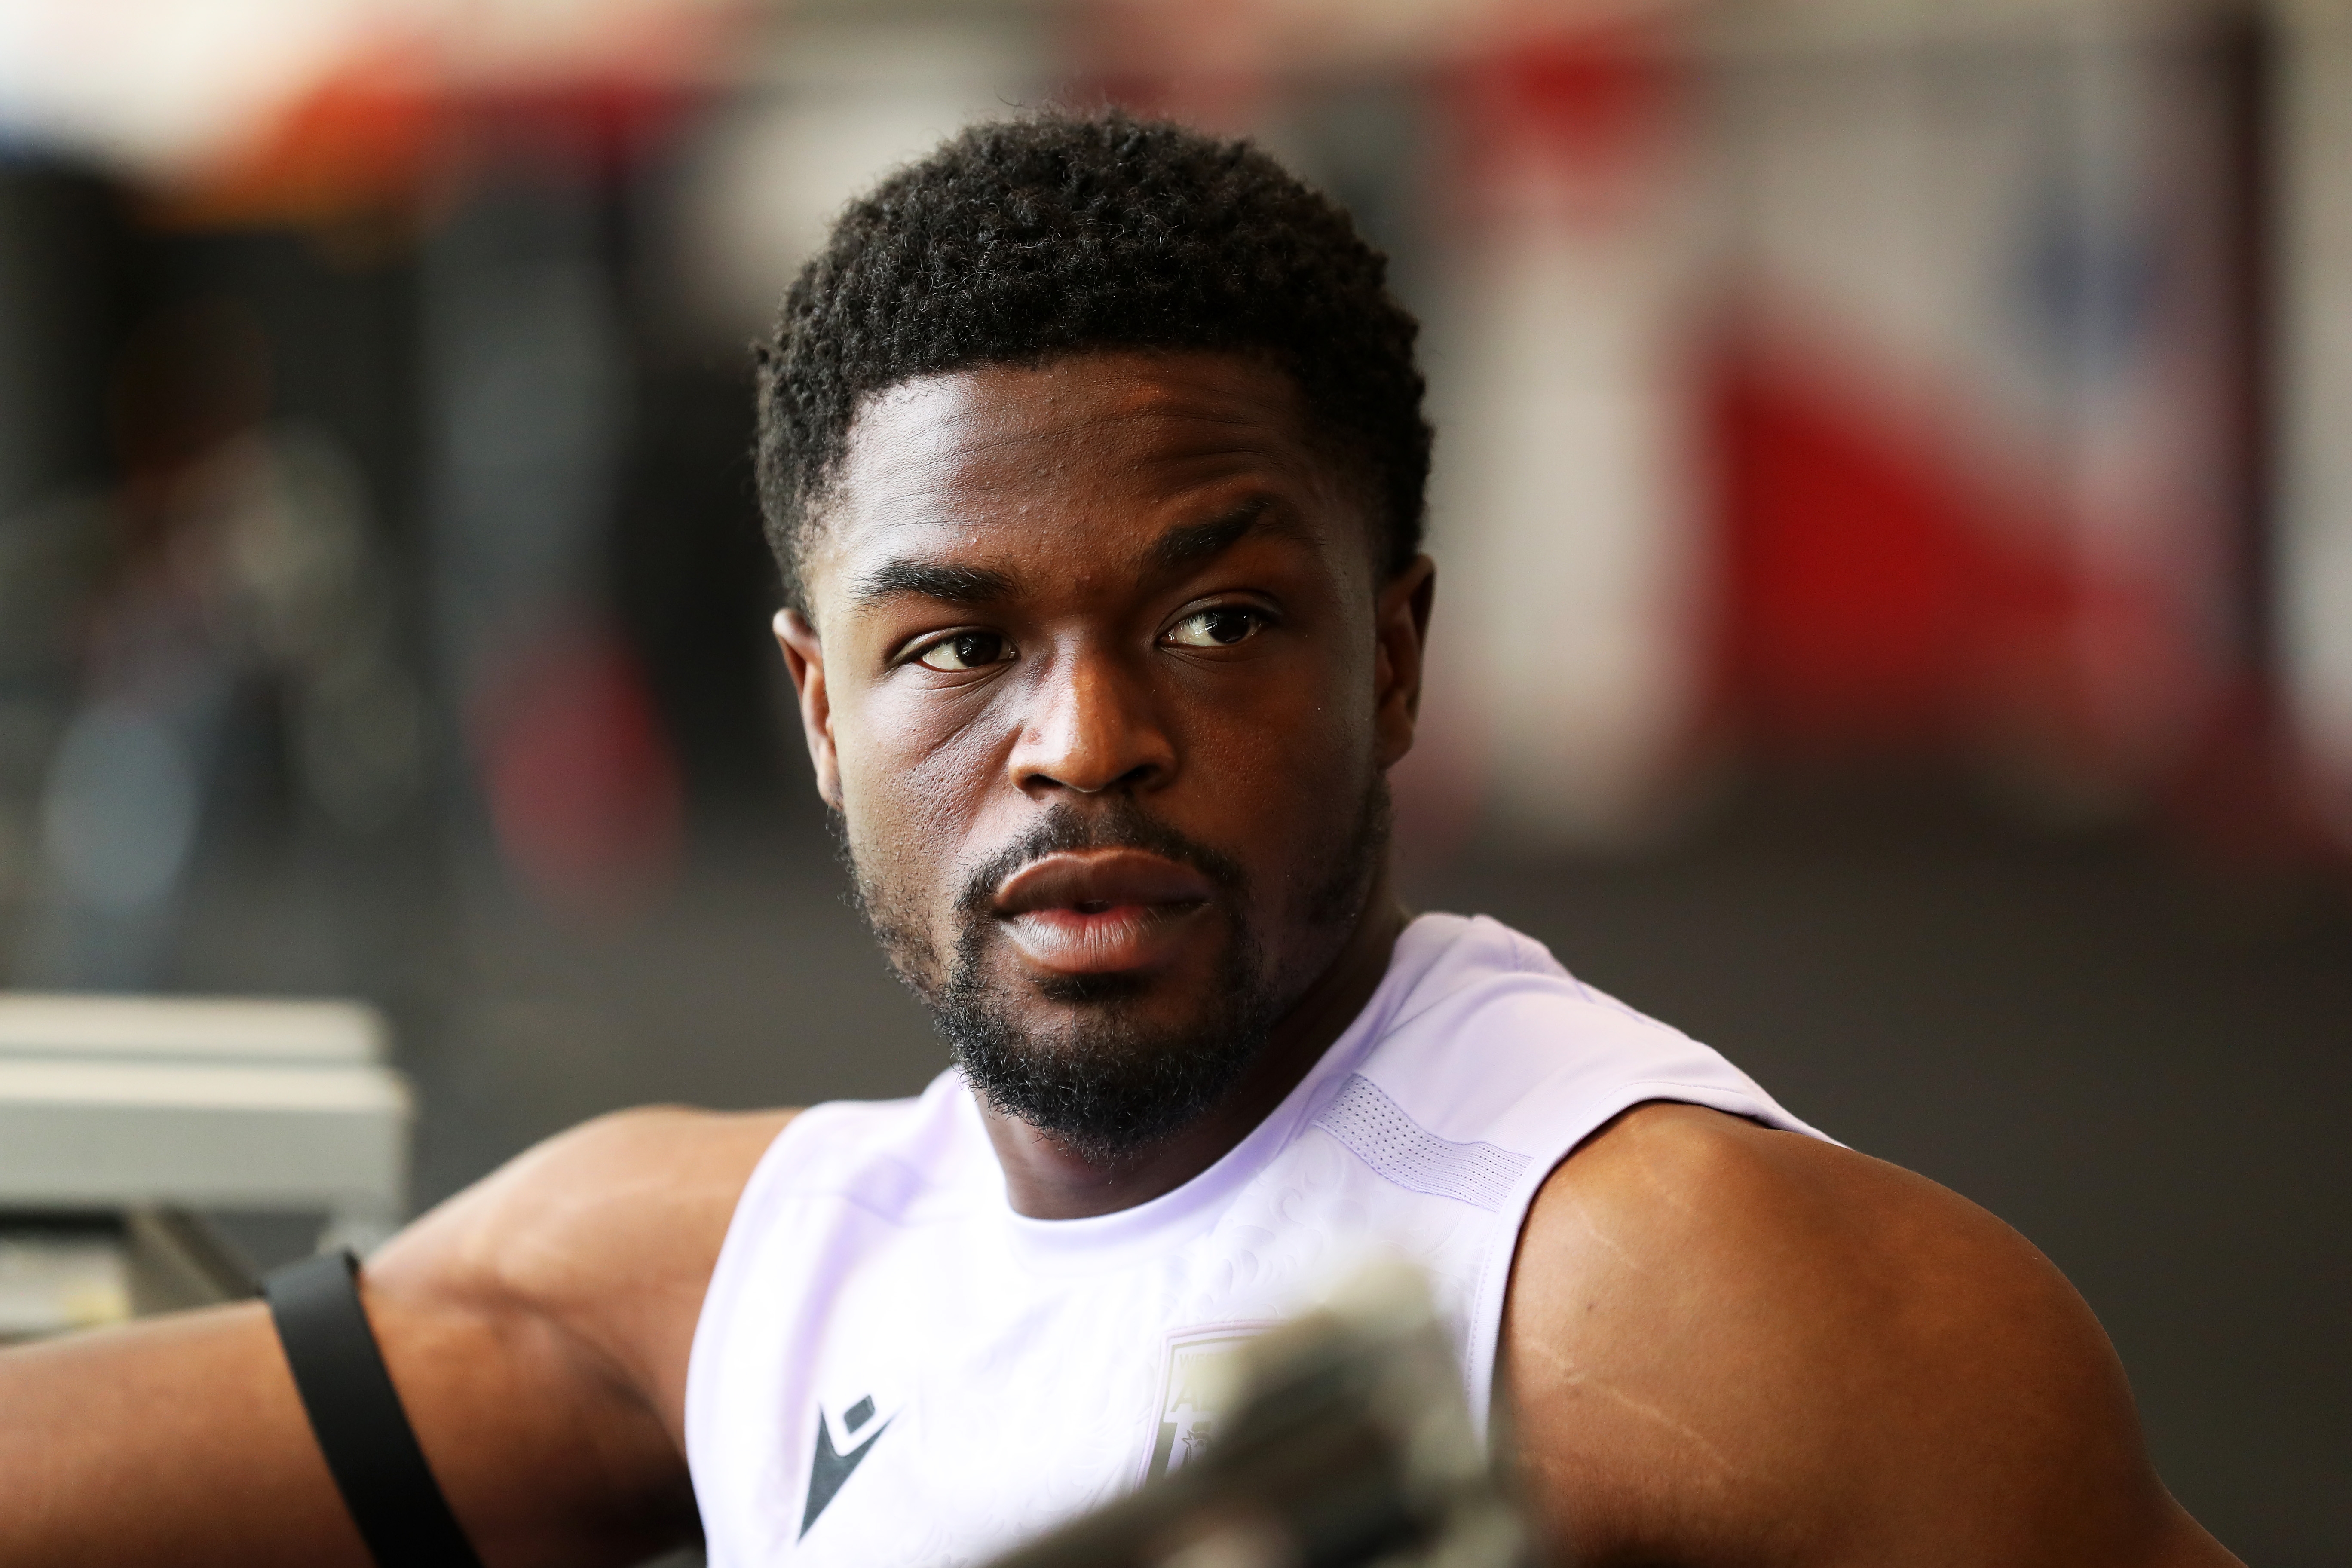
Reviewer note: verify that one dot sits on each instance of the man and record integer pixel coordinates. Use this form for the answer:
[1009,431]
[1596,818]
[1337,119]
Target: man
[1093,454]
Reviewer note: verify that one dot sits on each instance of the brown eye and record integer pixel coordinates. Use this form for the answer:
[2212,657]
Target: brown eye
[1220,628]
[965,651]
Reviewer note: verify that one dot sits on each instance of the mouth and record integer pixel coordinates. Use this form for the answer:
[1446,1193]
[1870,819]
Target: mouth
[1099,912]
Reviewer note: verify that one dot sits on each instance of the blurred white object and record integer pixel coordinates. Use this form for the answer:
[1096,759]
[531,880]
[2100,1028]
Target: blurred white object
[2315,539]
[831,108]
[1566,504]
[111,1103]
[171,88]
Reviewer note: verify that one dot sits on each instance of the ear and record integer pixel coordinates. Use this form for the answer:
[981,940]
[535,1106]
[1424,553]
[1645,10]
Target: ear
[804,659]
[1401,630]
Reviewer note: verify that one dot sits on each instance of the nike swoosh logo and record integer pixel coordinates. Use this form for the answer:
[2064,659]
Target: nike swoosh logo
[830,1468]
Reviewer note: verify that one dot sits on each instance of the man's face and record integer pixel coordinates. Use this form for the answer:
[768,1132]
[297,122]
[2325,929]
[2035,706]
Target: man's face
[1104,681]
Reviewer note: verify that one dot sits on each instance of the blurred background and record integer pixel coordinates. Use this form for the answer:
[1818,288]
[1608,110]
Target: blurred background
[1894,510]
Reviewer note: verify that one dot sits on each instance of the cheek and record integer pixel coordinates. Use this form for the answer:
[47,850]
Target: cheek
[908,793]
[1290,764]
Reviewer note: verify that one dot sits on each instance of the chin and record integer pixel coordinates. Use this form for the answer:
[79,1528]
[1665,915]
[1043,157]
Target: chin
[1105,1062]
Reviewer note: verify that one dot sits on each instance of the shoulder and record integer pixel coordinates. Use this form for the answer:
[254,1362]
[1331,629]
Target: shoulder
[1724,1341]
[1490,1038]
[604,1235]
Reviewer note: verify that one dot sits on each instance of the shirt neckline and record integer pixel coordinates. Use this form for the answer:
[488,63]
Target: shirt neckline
[1102,1243]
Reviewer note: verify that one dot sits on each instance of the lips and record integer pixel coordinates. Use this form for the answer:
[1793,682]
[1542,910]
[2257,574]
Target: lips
[1099,912]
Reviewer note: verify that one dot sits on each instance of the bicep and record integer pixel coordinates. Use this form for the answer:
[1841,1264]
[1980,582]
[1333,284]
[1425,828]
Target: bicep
[546,1454]
[538,1327]
[1730,1344]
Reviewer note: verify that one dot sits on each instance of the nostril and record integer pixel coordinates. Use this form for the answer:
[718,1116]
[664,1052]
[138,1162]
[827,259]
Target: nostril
[1140,776]
[1042,767]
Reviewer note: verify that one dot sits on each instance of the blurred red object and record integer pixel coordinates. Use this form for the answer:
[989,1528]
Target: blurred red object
[582,787]
[1866,594]
[1597,113]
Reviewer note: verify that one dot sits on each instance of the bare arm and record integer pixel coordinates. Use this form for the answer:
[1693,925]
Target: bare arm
[537,1327]
[1729,1344]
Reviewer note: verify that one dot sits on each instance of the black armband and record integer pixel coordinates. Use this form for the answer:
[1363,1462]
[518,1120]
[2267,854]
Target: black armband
[356,1415]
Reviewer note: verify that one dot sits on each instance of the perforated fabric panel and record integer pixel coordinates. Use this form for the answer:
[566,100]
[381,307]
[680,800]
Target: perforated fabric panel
[1405,1152]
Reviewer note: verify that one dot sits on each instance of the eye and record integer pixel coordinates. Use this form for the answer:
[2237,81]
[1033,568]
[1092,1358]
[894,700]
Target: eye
[964,650]
[1221,627]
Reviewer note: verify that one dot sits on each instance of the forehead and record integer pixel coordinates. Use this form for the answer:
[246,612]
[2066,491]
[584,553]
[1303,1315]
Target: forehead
[1087,453]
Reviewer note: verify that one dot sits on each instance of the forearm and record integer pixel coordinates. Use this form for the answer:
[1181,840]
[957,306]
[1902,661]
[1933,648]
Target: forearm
[176,1442]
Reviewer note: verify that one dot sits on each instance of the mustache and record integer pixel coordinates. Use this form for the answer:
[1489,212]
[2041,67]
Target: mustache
[1123,825]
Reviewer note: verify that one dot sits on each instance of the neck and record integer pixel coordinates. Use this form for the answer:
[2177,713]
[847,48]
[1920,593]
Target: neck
[1046,1180]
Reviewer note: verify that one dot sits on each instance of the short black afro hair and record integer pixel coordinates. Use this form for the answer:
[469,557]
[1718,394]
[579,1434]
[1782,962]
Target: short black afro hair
[1020,240]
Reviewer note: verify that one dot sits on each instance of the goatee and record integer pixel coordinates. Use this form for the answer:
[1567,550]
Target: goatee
[1109,1086]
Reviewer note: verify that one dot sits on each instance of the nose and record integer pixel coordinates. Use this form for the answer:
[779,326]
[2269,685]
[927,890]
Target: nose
[1093,727]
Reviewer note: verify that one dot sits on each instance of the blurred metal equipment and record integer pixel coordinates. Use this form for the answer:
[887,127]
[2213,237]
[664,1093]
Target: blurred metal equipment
[1351,1445]
[145,1105]
[60,1272]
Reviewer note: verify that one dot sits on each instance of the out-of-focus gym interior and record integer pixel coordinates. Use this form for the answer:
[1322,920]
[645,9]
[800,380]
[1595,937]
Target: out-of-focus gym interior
[1894,514]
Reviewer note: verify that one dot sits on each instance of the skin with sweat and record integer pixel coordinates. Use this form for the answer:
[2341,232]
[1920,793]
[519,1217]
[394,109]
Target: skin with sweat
[1127,583]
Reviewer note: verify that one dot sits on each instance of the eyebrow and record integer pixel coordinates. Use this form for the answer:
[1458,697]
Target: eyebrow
[1178,548]
[1198,542]
[952,585]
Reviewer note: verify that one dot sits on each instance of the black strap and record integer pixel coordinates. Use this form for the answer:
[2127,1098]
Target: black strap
[355,1414]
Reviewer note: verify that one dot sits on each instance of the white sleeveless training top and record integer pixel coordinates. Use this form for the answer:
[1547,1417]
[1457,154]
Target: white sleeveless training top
[895,1370]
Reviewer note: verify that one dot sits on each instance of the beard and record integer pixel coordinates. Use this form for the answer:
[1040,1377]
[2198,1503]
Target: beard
[1111,1084]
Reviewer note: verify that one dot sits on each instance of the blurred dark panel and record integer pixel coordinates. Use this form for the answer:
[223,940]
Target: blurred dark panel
[61,256]
[695,586]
